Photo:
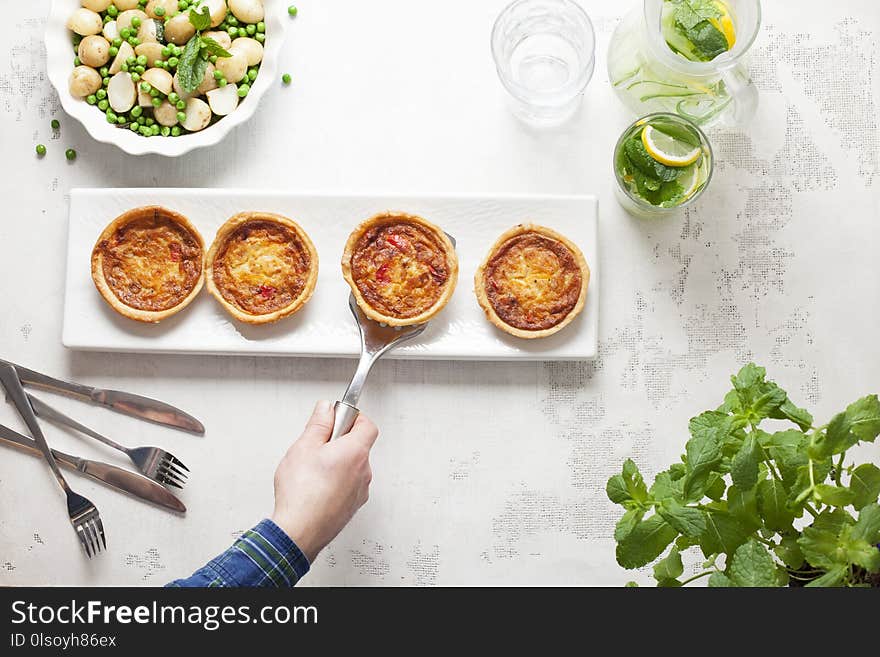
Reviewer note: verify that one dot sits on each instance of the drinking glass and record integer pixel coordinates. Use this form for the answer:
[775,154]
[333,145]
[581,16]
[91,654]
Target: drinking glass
[544,52]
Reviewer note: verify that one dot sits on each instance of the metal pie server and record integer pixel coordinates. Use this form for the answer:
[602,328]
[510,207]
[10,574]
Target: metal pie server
[376,341]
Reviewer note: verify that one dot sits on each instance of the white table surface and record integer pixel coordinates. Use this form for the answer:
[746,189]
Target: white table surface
[484,473]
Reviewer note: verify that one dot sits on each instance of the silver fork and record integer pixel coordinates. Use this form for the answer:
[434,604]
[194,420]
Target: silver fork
[83,515]
[153,462]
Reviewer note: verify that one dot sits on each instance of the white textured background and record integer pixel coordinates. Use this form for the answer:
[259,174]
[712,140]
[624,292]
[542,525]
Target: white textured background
[484,473]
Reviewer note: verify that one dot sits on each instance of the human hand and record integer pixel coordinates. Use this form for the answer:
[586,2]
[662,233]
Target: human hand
[319,485]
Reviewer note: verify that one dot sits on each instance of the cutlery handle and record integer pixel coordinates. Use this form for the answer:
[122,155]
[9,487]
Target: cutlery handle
[343,421]
[10,380]
[43,410]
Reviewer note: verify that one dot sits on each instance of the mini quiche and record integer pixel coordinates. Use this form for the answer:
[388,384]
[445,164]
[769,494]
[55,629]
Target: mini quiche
[261,267]
[148,264]
[402,269]
[533,282]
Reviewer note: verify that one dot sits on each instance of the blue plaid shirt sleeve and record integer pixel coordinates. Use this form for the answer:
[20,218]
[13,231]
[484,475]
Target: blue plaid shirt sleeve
[262,557]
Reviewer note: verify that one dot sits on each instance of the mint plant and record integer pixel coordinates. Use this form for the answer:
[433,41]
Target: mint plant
[766,506]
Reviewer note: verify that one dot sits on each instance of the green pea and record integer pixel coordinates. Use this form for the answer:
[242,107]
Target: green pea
[251,30]
[117,42]
[55,124]
[155,92]
[41,150]
[140,69]
[149,122]
[173,62]
[213,59]
[182,5]
[221,82]
[173,98]
[286,78]
[136,111]
[142,60]
[101,94]
[156,101]
[112,11]
[103,105]
[111,116]
[144,130]
[243,90]
[180,104]
[131,61]
[125,33]
[166,51]
[133,126]
[259,36]
[70,154]
[231,19]
[155,130]
[165,131]
[145,87]
[113,51]
[124,68]
[76,61]
[105,81]
[252,74]
[261,27]
[136,21]
[181,117]
[159,11]
[232,31]
[135,42]
[175,131]
[121,120]
[107,19]
[104,71]
[91,99]
[218,75]
[135,77]
[292,10]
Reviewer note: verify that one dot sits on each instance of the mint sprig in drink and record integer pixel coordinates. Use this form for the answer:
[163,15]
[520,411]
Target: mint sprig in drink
[662,163]
[686,57]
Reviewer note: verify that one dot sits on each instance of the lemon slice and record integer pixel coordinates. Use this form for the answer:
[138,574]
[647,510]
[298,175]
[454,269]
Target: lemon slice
[724,24]
[690,180]
[667,149]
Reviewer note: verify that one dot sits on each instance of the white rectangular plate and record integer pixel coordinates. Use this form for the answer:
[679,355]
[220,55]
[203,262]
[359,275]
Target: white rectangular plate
[325,326]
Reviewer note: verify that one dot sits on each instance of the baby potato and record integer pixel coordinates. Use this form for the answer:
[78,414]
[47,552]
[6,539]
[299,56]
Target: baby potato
[170,7]
[96,5]
[151,50]
[217,10]
[179,30]
[233,68]
[159,79]
[121,92]
[85,22]
[209,82]
[84,81]
[250,48]
[94,51]
[247,11]
[123,21]
[125,51]
[198,115]
[111,31]
[220,37]
[125,5]
[148,32]
[165,114]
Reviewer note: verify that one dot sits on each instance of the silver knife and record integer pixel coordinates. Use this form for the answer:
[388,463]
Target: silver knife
[123,480]
[121,402]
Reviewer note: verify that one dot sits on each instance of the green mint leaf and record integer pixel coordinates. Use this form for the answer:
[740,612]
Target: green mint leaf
[834,577]
[665,487]
[772,505]
[731,404]
[821,470]
[191,68]
[748,378]
[753,566]
[819,541]
[616,490]
[789,552]
[719,580]
[627,523]
[789,450]
[863,417]
[645,542]
[799,416]
[627,486]
[834,495]
[668,583]
[724,533]
[669,568]
[703,454]
[859,551]
[686,520]
[200,20]
[708,424]
[769,402]
[715,485]
[743,505]
[214,48]
[631,585]
[643,162]
[744,467]
[867,527]
[865,483]
[707,39]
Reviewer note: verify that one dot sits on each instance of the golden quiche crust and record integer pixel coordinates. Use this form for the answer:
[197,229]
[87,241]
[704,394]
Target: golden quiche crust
[533,282]
[262,267]
[401,268]
[148,263]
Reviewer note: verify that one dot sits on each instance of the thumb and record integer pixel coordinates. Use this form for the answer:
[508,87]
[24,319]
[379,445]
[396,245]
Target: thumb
[320,424]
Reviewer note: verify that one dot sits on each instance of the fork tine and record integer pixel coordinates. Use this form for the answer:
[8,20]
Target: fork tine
[176,461]
[162,479]
[83,538]
[174,469]
[100,526]
[171,474]
[93,538]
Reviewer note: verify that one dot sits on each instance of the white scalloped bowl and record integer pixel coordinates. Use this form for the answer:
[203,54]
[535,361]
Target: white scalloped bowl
[59,58]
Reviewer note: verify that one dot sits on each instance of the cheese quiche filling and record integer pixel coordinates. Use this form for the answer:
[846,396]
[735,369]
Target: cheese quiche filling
[152,262]
[533,282]
[262,267]
[400,268]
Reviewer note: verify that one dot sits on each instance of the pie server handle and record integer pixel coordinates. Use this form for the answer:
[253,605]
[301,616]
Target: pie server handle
[343,421]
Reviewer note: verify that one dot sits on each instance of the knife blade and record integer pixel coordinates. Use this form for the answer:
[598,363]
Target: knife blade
[126,403]
[115,477]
